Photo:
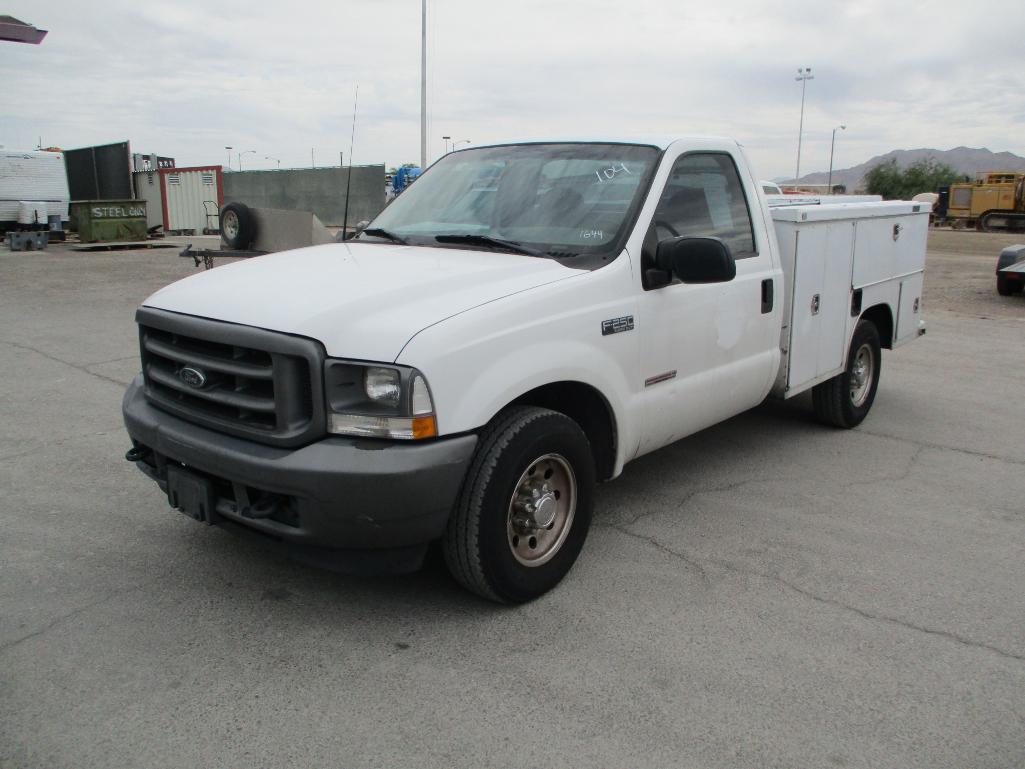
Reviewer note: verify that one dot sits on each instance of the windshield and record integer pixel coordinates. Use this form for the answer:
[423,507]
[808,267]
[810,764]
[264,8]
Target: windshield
[560,200]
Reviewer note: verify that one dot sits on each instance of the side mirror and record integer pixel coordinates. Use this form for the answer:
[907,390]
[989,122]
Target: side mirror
[696,260]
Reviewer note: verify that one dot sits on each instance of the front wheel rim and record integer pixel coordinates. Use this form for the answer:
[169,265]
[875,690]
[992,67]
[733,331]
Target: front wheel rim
[541,510]
[862,372]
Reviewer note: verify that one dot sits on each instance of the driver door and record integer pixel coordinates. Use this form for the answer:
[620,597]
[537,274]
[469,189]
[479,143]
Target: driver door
[713,349]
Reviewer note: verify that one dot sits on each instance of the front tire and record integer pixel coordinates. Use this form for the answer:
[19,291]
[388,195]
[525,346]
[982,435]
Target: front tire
[845,400]
[525,507]
[1007,287]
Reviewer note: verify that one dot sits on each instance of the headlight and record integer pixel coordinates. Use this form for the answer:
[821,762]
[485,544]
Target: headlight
[382,384]
[372,401]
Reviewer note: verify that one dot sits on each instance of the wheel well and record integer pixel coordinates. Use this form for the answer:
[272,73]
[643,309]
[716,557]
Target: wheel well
[589,409]
[881,316]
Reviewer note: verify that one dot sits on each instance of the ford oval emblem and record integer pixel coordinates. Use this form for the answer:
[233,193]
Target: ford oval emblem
[193,377]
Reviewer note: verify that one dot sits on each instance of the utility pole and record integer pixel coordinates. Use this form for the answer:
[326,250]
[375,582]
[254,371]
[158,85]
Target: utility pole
[804,75]
[229,157]
[423,84]
[832,147]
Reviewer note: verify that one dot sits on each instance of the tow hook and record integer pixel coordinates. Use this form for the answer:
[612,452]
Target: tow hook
[137,453]
[264,507]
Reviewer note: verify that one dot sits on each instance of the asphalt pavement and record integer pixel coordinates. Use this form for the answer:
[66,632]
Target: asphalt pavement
[767,593]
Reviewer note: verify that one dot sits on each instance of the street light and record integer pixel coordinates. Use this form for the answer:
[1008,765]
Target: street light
[461,141]
[268,157]
[423,84]
[832,147]
[247,152]
[804,75]
[229,157]
[447,140]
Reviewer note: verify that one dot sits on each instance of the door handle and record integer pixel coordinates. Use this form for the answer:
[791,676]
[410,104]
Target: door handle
[767,296]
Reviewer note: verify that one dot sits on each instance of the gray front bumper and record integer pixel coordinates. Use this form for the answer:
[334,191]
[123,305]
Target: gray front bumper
[346,493]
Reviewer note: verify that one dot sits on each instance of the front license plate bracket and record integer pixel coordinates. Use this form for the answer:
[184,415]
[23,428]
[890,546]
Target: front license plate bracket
[192,494]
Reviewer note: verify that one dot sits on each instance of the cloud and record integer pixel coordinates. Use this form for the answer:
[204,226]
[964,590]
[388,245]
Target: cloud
[188,78]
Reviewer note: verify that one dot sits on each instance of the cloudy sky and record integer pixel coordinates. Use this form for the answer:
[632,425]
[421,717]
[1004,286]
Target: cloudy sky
[185,78]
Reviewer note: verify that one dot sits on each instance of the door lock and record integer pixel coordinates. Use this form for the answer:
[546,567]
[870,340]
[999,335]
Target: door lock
[815,302]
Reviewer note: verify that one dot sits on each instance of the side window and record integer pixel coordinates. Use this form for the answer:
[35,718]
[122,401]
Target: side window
[704,197]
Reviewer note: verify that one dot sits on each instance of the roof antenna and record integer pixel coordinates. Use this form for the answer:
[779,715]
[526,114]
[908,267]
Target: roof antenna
[348,176]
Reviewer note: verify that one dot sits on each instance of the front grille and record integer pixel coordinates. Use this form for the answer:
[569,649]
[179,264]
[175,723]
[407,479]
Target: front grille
[237,379]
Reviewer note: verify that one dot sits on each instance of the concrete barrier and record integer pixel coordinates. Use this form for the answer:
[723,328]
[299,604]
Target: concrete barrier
[319,190]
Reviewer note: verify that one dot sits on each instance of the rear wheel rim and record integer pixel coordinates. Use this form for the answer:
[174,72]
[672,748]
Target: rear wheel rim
[862,372]
[230,224]
[541,510]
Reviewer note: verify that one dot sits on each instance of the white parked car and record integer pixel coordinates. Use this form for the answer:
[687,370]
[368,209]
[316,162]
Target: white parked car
[523,322]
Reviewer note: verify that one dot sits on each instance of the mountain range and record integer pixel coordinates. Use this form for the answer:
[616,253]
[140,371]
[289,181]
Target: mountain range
[965,160]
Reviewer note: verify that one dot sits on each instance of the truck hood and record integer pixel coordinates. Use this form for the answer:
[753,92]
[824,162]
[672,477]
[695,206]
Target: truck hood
[360,300]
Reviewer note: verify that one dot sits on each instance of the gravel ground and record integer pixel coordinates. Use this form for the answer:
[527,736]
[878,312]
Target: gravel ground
[767,593]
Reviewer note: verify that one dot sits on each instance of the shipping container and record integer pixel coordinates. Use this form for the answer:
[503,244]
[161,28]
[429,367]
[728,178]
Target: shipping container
[182,200]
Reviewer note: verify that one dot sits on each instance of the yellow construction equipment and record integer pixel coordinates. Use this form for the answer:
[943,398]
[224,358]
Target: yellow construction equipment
[995,202]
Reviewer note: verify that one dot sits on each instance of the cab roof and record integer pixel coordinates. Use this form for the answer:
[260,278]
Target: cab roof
[661,141]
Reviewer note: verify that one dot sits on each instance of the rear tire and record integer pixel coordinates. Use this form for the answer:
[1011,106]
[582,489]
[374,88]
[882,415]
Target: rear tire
[845,400]
[525,507]
[1007,287]
[238,226]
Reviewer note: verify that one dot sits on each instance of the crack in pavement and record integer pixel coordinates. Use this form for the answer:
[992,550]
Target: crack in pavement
[682,503]
[72,614]
[696,564]
[890,478]
[688,560]
[114,360]
[57,442]
[943,447]
[83,369]
[689,496]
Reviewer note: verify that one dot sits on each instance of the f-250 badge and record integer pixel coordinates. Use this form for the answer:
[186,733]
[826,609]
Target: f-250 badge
[617,325]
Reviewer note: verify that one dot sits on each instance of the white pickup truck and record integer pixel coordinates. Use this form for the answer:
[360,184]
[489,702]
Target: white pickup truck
[521,323]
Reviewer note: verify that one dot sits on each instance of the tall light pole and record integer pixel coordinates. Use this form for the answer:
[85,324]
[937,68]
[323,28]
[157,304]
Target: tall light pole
[247,152]
[832,147]
[423,85]
[268,157]
[804,75]
[447,140]
[229,157]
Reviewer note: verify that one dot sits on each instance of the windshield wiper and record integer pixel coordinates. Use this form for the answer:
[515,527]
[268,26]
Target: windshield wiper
[487,240]
[377,232]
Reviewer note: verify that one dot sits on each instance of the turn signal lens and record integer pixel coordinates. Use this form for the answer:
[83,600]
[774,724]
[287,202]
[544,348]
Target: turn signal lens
[424,427]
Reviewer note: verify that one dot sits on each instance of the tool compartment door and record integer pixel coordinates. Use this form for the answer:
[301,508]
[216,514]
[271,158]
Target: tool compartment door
[909,311]
[821,302]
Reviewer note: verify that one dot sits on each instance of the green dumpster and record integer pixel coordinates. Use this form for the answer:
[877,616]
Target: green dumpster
[103,220]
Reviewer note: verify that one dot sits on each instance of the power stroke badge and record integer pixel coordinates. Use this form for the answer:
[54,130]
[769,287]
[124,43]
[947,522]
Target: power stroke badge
[617,325]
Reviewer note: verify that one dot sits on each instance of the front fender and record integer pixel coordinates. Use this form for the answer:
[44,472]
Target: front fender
[480,361]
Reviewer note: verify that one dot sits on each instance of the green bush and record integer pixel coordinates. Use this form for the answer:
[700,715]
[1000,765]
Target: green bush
[894,183]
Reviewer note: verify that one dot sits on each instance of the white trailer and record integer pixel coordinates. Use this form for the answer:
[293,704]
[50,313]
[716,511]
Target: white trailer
[36,178]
